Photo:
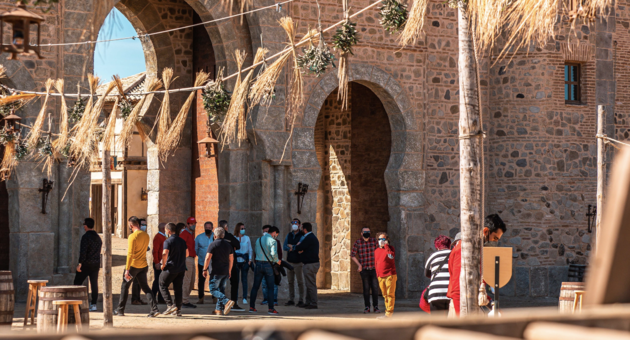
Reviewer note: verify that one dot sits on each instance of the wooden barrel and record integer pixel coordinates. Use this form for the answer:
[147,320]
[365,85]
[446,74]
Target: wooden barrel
[47,312]
[7,298]
[567,295]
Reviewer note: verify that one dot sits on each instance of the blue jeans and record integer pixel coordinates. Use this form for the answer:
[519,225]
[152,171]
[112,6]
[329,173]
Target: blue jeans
[275,291]
[263,270]
[217,289]
[243,267]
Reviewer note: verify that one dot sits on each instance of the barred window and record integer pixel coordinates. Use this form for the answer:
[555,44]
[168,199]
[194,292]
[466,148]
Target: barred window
[572,83]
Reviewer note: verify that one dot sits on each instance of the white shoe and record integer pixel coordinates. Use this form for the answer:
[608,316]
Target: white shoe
[92,308]
[245,301]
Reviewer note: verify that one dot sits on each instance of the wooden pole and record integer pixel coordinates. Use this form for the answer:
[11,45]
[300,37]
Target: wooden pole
[470,165]
[601,172]
[108,303]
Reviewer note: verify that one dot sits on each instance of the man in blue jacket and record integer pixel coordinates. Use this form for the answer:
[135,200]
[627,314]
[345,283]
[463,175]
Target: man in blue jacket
[202,241]
[293,257]
[308,248]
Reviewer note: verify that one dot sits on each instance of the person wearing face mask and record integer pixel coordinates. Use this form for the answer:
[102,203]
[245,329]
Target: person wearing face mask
[135,287]
[89,260]
[293,258]
[188,235]
[158,247]
[243,259]
[492,232]
[363,255]
[173,267]
[202,241]
[385,262]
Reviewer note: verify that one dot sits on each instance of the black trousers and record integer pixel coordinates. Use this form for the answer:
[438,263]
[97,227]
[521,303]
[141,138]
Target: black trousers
[90,271]
[177,279]
[135,290]
[234,280]
[201,281]
[155,287]
[439,306]
[139,274]
[370,281]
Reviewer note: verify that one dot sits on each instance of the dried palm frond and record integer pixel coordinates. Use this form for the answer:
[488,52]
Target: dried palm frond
[152,84]
[108,135]
[8,161]
[229,128]
[62,141]
[13,98]
[415,23]
[124,104]
[36,130]
[164,114]
[175,132]
[90,149]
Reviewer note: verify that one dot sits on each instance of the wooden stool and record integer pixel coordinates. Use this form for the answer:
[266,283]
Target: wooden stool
[62,318]
[579,294]
[31,301]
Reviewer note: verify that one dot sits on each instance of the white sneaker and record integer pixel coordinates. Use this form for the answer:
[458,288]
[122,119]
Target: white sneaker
[245,301]
[92,308]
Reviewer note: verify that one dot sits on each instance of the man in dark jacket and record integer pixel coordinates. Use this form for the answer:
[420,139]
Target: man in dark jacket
[89,260]
[308,248]
[294,259]
[235,277]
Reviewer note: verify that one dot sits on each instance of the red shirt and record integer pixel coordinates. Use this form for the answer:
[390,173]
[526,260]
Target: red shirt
[190,242]
[158,247]
[384,259]
[454,270]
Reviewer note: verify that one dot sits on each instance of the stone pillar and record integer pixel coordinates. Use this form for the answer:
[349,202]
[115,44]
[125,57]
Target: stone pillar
[280,211]
[65,220]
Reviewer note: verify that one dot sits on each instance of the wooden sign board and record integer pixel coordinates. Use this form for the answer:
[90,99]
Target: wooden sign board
[505,264]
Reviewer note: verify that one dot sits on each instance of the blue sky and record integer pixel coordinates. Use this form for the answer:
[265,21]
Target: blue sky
[124,57]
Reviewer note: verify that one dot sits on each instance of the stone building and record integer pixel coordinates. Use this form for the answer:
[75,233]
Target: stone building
[389,161]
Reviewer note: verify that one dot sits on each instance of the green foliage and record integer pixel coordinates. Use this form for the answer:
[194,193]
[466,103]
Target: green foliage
[21,150]
[44,147]
[6,136]
[394,16]
[125,108]
[346,37]
[316,59]
[216,101]
[75,113]
[66,150]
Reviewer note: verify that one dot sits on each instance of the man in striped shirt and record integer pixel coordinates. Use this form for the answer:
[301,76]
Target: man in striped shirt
[437,270]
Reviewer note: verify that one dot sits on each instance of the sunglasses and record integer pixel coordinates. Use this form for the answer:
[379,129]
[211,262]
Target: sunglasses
[382,239]
[295,222]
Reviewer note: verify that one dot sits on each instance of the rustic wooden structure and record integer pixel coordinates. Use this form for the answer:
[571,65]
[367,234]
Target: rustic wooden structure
[31,300]
[62,316]
[567,295]
[7,298]
[47,316]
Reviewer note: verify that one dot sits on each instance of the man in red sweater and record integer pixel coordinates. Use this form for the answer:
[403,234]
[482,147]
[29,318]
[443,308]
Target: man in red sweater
[385,263]
[158,246]
[188,235]
[492,232]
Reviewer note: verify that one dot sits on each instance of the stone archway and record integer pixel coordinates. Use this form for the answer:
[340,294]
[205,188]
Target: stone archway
[404,174]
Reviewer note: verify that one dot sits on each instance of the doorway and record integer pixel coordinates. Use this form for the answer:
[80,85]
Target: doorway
[5,248]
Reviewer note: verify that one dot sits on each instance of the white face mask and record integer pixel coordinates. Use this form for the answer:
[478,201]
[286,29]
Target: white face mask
[381,243]
[294,227]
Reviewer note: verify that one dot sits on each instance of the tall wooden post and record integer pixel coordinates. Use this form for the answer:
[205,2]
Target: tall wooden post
[601,172]
[470,165]
[108,303]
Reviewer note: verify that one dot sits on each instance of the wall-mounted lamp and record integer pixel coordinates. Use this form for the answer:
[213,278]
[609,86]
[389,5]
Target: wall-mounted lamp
[300,193]
[144,196]
[20,20]
[209,141]
[590,215]
[11,122]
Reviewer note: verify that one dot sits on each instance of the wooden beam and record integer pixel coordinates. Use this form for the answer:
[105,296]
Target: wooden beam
[601,173]
[321,335]
[439,333]
[555,331]
[108,301]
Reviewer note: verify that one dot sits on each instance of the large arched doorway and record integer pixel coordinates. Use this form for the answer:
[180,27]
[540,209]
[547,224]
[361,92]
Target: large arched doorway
[4,222]
[353,149]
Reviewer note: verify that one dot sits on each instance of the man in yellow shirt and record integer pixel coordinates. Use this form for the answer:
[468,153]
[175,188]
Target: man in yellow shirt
[136,267]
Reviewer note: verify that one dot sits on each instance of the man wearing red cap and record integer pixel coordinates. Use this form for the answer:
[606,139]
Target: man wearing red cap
[188,235]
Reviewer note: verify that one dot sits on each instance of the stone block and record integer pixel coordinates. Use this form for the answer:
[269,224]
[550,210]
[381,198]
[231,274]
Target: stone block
[303,139]
[557,275]
[417,281]
[318,96]
[19,257]
[521,280]
[415,222]
[310,115]
[305,159]
[238,196]
[30,208]
[539,281]
[414,244]
[41,254]
[360,71]
[330,82]
[380,77]
[153,203]
[397,122]
[153,162]
[238,166]
[153,180]
[412,199]
[270,118]
[307,176]
[412,180]
[508,289]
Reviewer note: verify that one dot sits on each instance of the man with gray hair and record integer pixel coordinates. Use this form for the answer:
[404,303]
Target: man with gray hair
[217,267]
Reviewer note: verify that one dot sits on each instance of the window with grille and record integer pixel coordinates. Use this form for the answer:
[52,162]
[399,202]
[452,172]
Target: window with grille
[572,83]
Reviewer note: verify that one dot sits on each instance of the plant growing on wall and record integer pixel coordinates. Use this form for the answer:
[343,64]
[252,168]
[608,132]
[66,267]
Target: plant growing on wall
[394,16]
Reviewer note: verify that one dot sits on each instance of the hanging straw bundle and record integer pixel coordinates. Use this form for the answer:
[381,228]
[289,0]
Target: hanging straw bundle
[152,84]
[234,125]
[81,138]
[415,23]
[8,161]
[108,135]
[266,82]
[13,98]
[175,132]
[36,130]
[164,119]
[344,40]
[62,141]
[88,140]
[46,151]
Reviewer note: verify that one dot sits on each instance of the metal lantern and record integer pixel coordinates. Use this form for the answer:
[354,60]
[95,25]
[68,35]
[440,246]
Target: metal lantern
[144,196]
[21,20]
[11,123]
[208,141]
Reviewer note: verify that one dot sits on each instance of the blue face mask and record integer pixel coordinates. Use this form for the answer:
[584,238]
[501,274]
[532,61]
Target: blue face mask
[242,231]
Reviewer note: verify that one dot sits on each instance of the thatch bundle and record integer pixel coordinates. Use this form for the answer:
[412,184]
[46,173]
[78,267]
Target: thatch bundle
[8,161]
[415,23]
[164,120]
[175,132]
[61,142]
[81,144]
[152,84]
[110,129]
[13,98]
[36,130]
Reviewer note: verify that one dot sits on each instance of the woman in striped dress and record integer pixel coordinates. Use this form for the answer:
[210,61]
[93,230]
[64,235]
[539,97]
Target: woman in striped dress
[437,270]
